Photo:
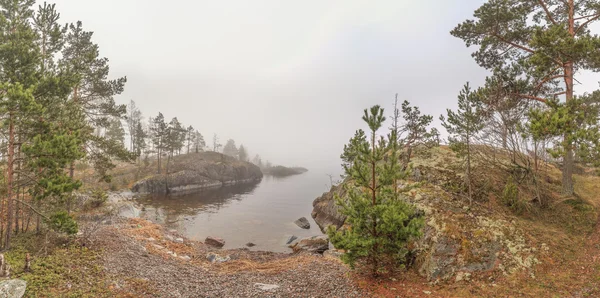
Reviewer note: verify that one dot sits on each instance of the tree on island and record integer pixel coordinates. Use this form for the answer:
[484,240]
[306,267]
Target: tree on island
[216,144]
[242,153]
[230,148]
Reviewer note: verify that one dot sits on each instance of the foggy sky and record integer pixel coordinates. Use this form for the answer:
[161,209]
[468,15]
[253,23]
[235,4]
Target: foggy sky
[288,79]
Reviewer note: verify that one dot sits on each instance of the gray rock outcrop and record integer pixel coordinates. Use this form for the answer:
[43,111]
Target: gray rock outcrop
[459,241]
[325,210]
[198,171]
[13,288]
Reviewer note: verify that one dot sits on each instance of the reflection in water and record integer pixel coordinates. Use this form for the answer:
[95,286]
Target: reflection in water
[262,214]
[171,209]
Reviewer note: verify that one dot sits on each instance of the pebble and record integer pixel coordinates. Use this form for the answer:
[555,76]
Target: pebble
[266,287]
[179,240]
[158,246]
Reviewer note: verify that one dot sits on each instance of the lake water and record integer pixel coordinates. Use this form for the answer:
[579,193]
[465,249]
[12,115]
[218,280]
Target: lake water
[263,214]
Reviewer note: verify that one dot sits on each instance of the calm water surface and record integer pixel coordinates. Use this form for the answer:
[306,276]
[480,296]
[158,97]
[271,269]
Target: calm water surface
[263,214]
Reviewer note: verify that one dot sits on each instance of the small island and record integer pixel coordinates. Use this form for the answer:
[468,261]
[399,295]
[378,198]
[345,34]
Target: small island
[281,171]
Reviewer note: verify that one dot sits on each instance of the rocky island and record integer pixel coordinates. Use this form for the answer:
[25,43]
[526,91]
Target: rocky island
[281,171]
[194,172]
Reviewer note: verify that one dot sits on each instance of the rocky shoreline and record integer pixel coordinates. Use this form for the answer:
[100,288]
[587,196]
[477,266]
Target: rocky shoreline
[174,266]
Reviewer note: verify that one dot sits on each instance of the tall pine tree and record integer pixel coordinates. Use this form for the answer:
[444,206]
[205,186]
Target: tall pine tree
[536,48]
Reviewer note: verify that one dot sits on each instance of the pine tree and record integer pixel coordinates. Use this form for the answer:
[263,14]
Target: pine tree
[216,144]
[242,153]
[230,148]
[38,121]
[463,125]
[115,131]
[93,93]
[414,131]
[257,161]
[535,48]
[381,221]
[190,137]
[134,117]
[140,139]
[158,135]
[199,142]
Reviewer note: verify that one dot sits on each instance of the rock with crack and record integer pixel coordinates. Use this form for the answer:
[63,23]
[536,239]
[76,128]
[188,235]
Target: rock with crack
[266,287]
[215,258]
[303,223]
[13,288]
[214,241]
[315,244]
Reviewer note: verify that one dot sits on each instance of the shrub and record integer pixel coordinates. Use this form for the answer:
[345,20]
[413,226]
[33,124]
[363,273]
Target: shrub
[510,197]
[62,222]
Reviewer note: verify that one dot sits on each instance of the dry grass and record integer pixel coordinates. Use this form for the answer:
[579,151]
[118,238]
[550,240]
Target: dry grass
[269,267]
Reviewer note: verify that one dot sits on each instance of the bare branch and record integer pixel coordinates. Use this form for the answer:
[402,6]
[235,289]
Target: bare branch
[545,7]
[597,16]
[548,79]
[531,97]
[32,209]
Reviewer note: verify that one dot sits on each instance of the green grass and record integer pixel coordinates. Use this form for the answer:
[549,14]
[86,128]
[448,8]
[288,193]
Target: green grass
[67,270]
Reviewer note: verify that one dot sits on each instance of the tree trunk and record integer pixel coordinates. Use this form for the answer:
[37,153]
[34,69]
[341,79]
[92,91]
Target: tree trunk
[469,169]
[9,178]
[167,173]
[374,195]
[567,177]
[158,155]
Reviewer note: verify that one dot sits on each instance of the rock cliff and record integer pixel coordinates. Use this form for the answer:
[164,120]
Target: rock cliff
[197,171]
[459,241]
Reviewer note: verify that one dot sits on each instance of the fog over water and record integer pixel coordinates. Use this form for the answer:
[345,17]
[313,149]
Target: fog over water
[288,79]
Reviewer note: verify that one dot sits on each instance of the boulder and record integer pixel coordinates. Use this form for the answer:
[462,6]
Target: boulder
[303,223]
[13,288]
[214,241]
[315,244]
[250,244]
[195,172]
[290,240]
[215,258]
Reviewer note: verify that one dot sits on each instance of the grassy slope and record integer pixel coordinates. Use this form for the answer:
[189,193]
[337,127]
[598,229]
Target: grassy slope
[568,227]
